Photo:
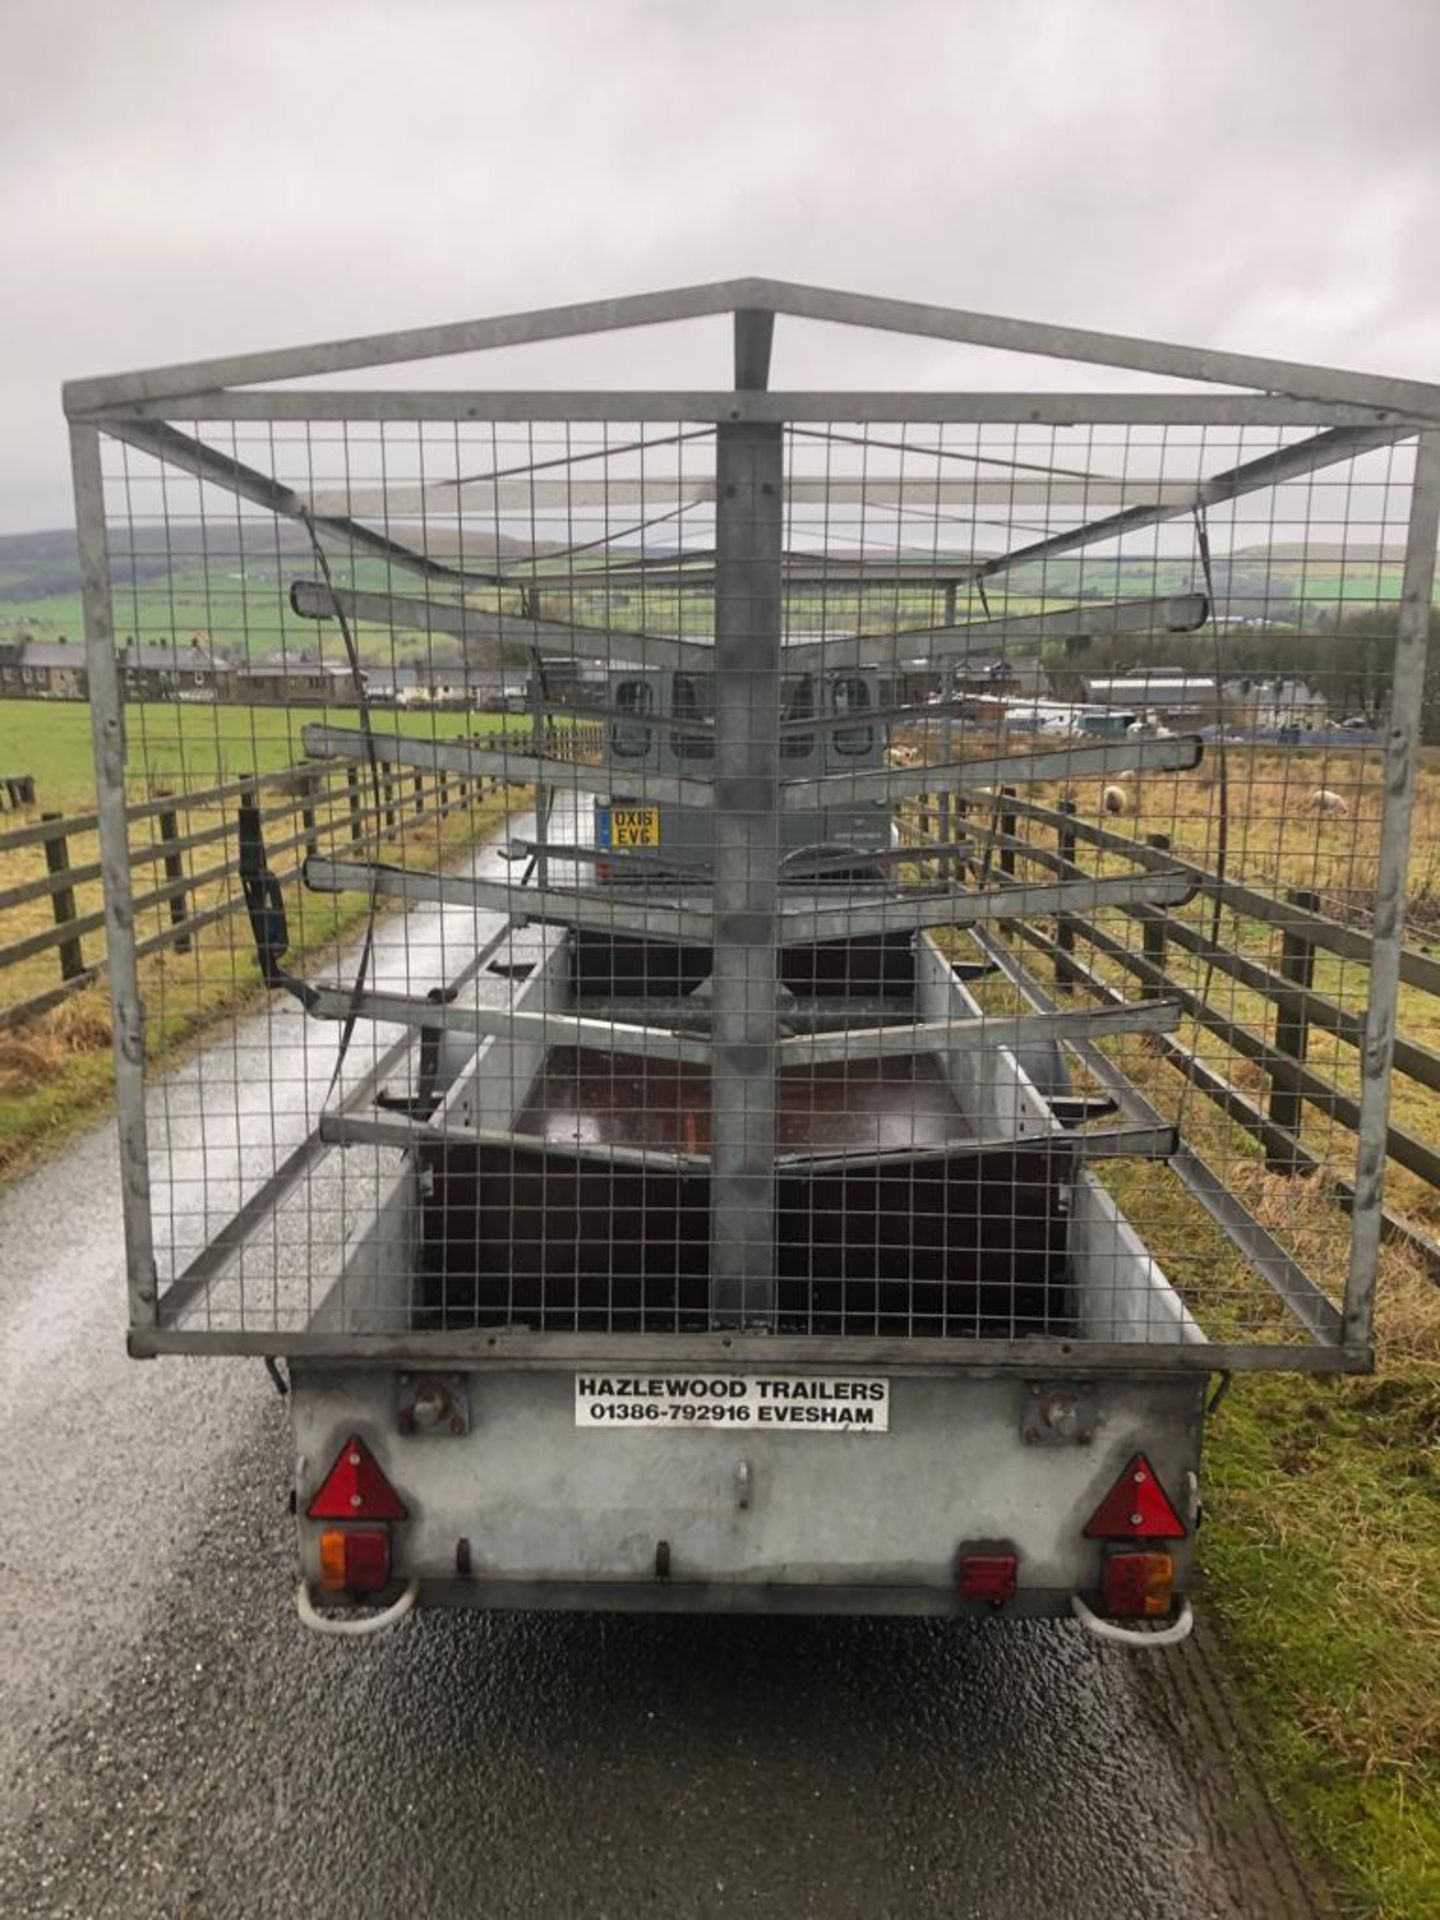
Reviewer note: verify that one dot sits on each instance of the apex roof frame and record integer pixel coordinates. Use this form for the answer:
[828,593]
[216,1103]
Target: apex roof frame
[754,303]
[135,406]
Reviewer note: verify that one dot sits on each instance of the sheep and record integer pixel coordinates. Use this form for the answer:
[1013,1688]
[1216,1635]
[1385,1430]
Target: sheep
[1326,800]
[1117,800]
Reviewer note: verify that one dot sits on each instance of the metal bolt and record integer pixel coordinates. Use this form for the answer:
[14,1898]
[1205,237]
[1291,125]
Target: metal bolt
[430,1406]
[1062,1413]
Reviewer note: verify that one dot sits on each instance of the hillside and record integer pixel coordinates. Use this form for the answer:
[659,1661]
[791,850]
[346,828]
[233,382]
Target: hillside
[229,585]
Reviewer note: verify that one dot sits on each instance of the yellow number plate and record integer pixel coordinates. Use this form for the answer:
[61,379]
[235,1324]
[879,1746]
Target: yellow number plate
[629,827]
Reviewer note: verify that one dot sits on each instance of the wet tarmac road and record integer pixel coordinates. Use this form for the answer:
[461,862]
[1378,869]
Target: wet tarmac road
[173,1744]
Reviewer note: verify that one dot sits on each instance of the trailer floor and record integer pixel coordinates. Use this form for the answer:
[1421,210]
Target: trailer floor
[633,1100]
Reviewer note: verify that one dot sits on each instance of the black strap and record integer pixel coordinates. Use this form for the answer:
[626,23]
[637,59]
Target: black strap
[265,904]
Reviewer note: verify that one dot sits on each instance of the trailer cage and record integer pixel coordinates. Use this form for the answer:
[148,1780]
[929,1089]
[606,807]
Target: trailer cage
[843,986]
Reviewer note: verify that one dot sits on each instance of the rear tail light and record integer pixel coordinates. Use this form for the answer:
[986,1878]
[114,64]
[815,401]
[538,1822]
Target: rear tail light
[986,1576]
[355,1556]
[1135,1585]
[356,1489]
[1137,1507]
[355,1559]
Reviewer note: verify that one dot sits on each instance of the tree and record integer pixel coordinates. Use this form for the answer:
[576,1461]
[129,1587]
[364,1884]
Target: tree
[1365,643]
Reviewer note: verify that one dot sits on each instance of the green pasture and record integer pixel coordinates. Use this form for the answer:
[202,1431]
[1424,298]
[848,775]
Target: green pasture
[185,746]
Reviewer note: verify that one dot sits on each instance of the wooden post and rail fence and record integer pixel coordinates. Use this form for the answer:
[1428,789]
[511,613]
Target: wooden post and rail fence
[298,807]
[998,838]
[1006,837]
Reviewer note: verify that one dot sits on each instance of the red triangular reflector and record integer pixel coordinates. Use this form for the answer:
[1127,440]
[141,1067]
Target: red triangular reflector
[356,1489]
[1137,1507]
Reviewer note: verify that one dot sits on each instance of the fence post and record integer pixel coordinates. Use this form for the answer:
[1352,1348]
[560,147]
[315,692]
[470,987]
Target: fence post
[962,823]
[419,793]
[1152,930]
[62,901]
[174,870]
[945,832]
[1292,1028]
[352,795]
[387,773]
[1064,923]
[1007,832]
[307,816]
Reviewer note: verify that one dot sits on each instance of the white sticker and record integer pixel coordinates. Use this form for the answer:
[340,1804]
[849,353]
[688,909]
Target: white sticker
[757,1402]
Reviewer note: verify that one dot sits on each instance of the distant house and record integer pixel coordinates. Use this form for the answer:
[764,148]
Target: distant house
[186,673]
[983,688]
[568,682]
[440,684]
[43,670]
[1178,699]
[282,681]
[1270,705]
[170,672]
[987,677]
[56,670]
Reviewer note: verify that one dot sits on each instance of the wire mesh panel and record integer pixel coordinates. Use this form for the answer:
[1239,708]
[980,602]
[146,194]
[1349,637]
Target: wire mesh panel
[837,877]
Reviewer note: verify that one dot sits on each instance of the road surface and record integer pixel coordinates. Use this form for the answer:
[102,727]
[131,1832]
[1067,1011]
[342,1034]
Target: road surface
[174,1745]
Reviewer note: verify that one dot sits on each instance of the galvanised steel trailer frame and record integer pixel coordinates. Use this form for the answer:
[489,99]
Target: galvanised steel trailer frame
[968,1402]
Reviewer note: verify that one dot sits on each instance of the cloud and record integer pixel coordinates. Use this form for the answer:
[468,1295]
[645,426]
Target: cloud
[183,181]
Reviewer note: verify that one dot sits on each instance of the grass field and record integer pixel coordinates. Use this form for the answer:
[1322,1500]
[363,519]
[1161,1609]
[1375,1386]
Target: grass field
[184,746]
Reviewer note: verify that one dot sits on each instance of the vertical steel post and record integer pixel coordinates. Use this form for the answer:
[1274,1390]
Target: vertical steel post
[748,535]
[107,726]
[1402,752]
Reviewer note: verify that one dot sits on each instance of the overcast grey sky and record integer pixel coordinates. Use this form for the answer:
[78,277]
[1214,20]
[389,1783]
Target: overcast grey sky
[181,180]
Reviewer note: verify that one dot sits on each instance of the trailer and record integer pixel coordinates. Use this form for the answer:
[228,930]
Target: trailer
[699,1194]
